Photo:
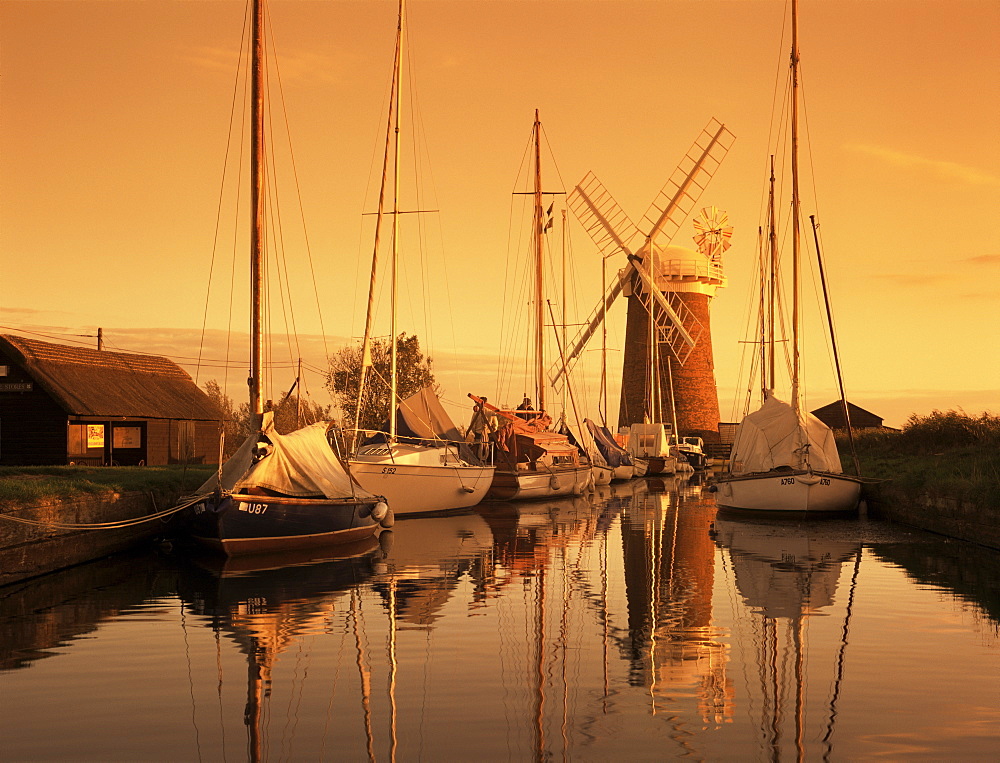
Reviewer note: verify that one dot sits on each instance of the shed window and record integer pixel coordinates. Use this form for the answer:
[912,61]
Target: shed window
[127,437]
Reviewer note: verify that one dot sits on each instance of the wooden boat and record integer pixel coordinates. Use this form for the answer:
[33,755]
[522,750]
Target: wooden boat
[784,459]
[531,460]
[278,492]
[418,461]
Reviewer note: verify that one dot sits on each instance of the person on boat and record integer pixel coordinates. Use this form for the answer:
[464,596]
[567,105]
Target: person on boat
[525,404]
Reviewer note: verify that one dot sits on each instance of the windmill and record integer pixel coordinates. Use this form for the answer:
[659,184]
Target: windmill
[672,284]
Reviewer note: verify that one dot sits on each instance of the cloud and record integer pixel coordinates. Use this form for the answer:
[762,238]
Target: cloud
[915,279]
[984,259]
[294,66]
[944,170]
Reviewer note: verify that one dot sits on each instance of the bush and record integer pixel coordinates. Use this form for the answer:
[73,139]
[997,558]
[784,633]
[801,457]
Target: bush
[946,452]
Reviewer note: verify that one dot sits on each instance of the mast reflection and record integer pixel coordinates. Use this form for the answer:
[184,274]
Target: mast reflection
[265,603]
[787,573]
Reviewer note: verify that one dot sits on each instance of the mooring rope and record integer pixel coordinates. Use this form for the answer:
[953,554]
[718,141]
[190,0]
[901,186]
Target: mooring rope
[104,525]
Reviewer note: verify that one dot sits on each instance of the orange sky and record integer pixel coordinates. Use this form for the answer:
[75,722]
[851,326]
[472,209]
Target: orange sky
[114,118]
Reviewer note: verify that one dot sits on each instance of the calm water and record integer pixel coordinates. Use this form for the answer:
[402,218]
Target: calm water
[638,625]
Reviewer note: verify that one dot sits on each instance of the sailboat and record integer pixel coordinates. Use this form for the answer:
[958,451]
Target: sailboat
[783,457]
[420,461]
[532,461]
[614,455]
[278,492]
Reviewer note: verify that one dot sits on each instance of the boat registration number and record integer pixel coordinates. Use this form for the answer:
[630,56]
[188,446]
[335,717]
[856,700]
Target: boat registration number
[253,508]
[388,470]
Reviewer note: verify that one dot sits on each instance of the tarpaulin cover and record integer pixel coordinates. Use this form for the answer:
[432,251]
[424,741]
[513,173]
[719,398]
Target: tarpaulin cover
[774,436]
[612,452]
[300,464]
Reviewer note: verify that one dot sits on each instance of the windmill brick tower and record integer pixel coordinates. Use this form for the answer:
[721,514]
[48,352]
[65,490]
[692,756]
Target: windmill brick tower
[672,284]
[685,375]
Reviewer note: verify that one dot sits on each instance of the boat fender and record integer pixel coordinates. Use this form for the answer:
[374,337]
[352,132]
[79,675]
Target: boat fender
[379,510]
[713,488]
[727,489]
[554,482]
[389,519]
[385,540]
[807,479]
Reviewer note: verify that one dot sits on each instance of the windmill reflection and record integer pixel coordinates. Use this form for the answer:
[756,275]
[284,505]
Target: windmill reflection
[671,645]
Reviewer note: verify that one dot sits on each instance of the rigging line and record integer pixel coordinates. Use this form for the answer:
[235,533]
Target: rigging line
[218,688]
[190,675]
[301,207]
[827,743]
[219,204]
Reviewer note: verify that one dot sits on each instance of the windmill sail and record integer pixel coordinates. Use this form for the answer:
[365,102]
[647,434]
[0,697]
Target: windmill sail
[612,231]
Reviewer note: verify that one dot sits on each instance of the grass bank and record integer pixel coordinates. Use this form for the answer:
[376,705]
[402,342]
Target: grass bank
[25,484]
[946,453]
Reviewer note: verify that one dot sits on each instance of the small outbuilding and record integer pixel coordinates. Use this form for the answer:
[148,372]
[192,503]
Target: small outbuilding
[833,416]
[73,405]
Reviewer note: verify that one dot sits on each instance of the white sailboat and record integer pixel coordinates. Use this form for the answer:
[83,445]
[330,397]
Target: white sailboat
[783,457]
[532,461]
[420,463]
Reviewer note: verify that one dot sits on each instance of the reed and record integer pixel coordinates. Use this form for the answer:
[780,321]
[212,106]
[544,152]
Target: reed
[946,452]
[22,484]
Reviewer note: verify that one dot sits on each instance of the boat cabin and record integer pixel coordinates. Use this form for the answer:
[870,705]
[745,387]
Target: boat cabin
[73,405]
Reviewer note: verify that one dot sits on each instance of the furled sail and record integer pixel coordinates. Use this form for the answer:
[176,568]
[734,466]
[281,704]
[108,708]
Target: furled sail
[775,436]
[300,464]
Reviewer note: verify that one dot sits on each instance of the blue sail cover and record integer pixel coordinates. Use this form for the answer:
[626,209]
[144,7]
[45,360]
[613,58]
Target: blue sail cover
[613,453]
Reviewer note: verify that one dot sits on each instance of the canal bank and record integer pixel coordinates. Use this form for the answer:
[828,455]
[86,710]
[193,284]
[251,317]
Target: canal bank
[936,511]
[43,533]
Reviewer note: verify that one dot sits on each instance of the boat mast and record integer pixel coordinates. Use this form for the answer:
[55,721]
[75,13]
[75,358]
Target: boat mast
[394,375]
[256,211]
[771,276]
[655,412]
[366,358]
[796,203]
[539,283]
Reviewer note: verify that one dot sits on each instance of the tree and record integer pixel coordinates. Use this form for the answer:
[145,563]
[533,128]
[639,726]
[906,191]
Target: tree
[290,413]
[413,373]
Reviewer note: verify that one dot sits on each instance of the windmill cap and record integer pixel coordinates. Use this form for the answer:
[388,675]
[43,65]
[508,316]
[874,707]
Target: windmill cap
[681,262]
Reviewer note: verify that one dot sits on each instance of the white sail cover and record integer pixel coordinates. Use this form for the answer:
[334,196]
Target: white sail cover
[774,436]
[299,464]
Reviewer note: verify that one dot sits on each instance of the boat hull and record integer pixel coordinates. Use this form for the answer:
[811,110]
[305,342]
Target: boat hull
[603,475]
[657,464]
[524,484]
[622,473]
[813,492]
[415,481]
[254,524]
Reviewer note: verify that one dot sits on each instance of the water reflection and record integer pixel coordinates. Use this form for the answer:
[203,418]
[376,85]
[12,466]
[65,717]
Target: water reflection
[788,572]
[636,622]
[671,645]
[265,603]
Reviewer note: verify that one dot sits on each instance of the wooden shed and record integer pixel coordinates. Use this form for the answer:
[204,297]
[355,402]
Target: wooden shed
[72,405]
[833,416]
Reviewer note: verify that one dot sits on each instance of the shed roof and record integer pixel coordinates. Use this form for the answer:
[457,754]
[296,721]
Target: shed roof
[835,408]
[87,382]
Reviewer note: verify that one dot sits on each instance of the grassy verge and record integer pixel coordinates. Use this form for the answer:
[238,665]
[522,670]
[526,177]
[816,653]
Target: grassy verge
[949,453]
[24,484]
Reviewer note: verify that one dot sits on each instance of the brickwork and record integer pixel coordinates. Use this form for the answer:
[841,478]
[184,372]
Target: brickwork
[695,393]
